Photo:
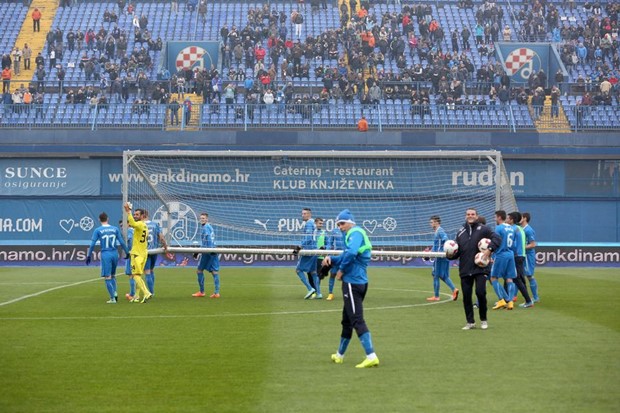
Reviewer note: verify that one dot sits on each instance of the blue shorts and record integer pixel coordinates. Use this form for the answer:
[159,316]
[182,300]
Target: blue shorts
[306,263]
[441,268]
[209,262]
[151,260]
[530,265]
[109,261]
[504,266]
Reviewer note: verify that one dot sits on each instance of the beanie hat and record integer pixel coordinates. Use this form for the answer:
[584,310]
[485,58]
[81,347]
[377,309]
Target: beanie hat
[345,216]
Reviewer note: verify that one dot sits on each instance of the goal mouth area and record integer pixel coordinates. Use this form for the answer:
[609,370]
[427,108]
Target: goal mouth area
[269,202]
[290,251]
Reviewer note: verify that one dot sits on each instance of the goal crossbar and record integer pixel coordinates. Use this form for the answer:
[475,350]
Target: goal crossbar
[282,251]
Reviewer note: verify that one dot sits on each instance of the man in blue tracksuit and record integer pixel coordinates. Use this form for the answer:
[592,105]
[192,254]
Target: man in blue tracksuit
[351,265]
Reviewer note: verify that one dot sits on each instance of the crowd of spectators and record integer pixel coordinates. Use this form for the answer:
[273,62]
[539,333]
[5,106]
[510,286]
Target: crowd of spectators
[271,58]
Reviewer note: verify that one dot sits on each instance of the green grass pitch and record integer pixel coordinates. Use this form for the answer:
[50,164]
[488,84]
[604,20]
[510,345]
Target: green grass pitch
[262,348]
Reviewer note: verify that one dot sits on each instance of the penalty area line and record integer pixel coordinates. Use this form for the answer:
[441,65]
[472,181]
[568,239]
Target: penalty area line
[23,297]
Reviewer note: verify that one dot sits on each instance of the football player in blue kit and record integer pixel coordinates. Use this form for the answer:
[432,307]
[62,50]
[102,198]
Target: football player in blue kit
[109,237]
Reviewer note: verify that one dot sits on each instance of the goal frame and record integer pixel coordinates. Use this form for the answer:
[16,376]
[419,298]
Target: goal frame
[493,156]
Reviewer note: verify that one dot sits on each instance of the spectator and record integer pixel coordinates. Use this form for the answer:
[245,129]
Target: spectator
[36,20]
[202,11]
[38,102]
[504,95]
[579,111]
[17,60]
[229,95]
[215,106]
[297,19]
[26,54]
[555,98]
[174,112]
[60,75]
[40,74]
[52,56]
[268,98]
[362,125]
[6,80]
[538,102]
[605,87]
[507,33]
[187,110]
[582,53]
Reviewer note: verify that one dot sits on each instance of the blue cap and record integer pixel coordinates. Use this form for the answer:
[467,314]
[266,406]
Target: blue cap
[345,216]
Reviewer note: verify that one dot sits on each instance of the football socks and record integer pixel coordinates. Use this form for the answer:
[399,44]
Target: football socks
[344,343]
[150,282]
[201,281]
[216,283]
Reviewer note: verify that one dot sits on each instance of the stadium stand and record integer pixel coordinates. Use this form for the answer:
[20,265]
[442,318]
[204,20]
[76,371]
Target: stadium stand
[419,66]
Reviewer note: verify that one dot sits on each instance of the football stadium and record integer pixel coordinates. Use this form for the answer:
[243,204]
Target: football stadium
[309,205]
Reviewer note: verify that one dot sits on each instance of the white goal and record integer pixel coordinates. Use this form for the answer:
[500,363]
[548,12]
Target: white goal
[254,198]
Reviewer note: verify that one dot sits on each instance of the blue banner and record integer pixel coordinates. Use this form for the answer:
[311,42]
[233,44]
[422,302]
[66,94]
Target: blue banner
[522,60]
[49,177]
[45,220]
[66,208]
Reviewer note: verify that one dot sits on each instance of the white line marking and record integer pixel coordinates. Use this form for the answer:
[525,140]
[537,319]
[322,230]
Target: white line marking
[173,316]
[46,291]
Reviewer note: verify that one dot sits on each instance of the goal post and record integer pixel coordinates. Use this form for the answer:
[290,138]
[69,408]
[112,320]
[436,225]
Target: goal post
[254,198]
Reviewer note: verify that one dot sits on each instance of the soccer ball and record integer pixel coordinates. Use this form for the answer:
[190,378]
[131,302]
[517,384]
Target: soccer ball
[483,244]
[450,247]
[481,260]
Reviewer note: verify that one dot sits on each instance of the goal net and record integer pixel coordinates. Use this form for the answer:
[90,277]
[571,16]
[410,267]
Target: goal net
[255,198]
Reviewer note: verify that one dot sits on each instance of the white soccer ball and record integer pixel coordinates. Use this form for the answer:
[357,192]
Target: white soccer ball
[450,247]
[483,244]
[481,260]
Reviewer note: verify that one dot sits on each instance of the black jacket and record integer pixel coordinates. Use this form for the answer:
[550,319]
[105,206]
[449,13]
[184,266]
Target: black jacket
[467,238]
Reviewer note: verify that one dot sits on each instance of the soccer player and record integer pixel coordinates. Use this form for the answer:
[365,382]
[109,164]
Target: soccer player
[503,262]
[335,241]
[138,250]
[441,266]
[108,237]
[132,284]
[530,254]
[155,239]
[321,237]
[513,219]
[351,269]
[467,239]
[209,260]
[307,263]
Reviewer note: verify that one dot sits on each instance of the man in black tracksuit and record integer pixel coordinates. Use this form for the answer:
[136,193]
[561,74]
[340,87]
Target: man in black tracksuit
[467,239]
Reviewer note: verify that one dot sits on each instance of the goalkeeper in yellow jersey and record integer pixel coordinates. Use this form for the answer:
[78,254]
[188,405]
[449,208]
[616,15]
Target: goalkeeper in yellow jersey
[138,250]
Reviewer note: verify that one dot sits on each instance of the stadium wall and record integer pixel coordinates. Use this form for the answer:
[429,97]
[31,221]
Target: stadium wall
[569,182]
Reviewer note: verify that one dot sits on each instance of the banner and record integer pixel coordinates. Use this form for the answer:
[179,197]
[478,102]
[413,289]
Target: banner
[191,55]
[522,60]
[45,220]
[49,177]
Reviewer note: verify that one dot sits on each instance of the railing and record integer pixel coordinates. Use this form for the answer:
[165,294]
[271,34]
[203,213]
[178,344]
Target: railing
[301,86]
[309,115]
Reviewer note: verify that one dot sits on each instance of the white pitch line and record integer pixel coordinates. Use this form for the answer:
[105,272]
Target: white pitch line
[23,297]
[172,316]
